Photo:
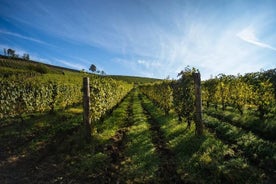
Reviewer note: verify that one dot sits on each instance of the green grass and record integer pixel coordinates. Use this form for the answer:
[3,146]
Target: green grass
[202,159]
[30,65]
[248,121]
[107,129]
[11,67]
[90,160]
[42,139]
[141,161]
[256,149]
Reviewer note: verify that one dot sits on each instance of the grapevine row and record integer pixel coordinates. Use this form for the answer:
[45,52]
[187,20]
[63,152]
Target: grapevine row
[29,96]
[254,90]
[23,97]
[177,95]
[106,93]
[161,93]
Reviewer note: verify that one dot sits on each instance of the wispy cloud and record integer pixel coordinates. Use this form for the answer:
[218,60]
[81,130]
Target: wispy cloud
[139,39]
[70,64]
[139,67]
[149,64]
[249,36]
[23,37]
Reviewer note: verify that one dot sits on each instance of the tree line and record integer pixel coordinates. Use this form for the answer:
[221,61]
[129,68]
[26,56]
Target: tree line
[12,53]
[93,69]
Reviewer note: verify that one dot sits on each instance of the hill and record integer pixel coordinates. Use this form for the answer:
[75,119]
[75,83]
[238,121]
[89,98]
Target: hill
[134,79]
[16,66]
[20,65]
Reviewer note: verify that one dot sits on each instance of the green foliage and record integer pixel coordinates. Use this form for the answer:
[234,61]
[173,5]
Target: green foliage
[240,94]
[251,90]
[40,68]
[178,95]
[256,149]
[161,93]
[240,157]
[208,94]
[183,95]
[11,73]
[105,94]
[264,99]
[54,91]
[229,155]
[19,97]
[34,66]
[110,125]
[203,159]
[93,68]
[248,121]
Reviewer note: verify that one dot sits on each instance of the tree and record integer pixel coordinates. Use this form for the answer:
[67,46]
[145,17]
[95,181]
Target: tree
[5,51]
[11,52]
[93,68]
[26,56]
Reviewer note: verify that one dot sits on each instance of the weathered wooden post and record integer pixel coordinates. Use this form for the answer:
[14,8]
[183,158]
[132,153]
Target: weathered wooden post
[198,104]
[86,109]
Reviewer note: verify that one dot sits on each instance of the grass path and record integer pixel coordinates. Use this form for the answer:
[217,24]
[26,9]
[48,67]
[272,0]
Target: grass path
[137,152]
[167,171]
[141,162]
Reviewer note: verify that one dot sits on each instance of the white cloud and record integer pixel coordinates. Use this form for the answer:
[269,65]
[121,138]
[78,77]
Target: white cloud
[36,57]
[70,64]
[149,64]
[154,45]
[249,36]
[23,37]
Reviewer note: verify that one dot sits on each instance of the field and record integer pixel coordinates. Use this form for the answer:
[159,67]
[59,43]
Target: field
[140,133]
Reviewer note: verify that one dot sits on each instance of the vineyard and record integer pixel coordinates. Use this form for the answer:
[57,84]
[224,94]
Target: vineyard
[153,131]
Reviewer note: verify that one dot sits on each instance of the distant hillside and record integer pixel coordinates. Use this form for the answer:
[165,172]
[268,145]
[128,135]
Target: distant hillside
[134,79]
[21,64]
[10,66]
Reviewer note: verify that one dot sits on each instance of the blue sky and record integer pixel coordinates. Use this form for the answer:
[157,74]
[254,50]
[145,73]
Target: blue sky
[152,38]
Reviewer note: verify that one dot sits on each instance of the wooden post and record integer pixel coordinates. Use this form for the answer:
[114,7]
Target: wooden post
[86,109]
[198,104]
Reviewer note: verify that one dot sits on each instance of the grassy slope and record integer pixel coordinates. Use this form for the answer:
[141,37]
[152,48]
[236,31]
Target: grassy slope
[18,63]
[11,66]
[134,79]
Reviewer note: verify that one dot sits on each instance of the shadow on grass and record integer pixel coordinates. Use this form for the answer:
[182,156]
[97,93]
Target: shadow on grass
[189,144]
[38,144]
